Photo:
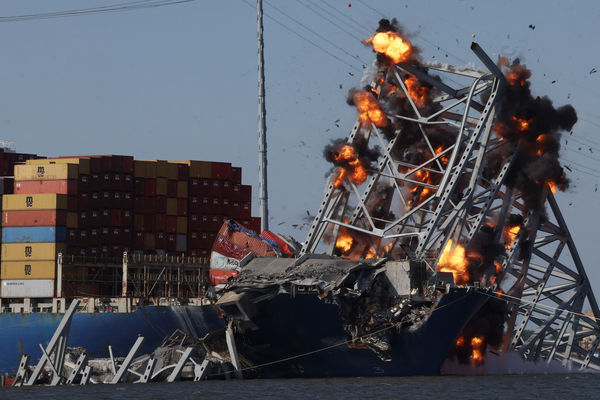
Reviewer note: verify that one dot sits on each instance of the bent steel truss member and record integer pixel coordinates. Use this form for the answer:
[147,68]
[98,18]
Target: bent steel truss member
[418,202]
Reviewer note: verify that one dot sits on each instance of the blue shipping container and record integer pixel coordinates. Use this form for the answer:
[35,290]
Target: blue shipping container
[33,234]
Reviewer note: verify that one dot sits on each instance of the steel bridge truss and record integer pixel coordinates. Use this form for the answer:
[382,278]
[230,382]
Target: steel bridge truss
[541,272]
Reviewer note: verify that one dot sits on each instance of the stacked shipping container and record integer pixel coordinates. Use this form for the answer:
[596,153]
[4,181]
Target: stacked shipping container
[104,205]
[35,222]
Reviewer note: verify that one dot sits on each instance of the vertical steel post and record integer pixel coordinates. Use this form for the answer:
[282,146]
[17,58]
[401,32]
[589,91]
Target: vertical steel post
[262,126]
[59,263]
[124,281]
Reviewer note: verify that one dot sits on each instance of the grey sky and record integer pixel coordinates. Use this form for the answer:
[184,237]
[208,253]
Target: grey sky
[179,82]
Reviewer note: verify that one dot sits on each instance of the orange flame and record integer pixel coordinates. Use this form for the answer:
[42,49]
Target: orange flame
[344,241]
[552,187]
[477,353]
[522,124]
[512,233]
[371,253]
[369,109]
[357,174]
[392,45]
[388,248]
[513,79]
[417,92]
[455,261]
[460,341]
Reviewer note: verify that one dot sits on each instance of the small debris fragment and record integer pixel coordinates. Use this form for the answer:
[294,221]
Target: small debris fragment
[532,27]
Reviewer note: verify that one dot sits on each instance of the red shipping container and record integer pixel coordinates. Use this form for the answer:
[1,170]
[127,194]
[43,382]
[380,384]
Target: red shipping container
[150,204]
[72,237]
[72,203]
[83,183]
[150,187]
[105,237]
[216,188]
[254,224]
[127,164]
[199,187]
[161,204]
[105,217]
[194,222]
[127,237]
[139,187]
[116,217]
[171,242]
[83,219]
[83,201]
[182,207]
[193,240]
[149,241]
[236,175]
[246,193]
[171,188]
[171,224]
[94,237]
[128,182]
[183,172]
[82,237]
[127,218]
[34,218]
[138,240]
[60,186]
[220,170]
[116,236]
[161,240]
[160,222]
[215,222]
[95,200]
[139,206]
[138,222]
[149,223]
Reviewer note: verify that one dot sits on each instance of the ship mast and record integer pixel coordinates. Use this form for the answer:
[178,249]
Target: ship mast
[262,126]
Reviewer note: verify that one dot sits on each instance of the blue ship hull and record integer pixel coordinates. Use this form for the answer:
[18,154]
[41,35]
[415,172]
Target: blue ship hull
[24,332]
[293,329]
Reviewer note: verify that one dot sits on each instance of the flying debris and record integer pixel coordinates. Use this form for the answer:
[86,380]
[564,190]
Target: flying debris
[532,27]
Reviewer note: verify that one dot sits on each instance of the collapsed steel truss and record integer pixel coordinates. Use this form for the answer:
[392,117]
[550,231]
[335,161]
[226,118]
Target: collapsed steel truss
[542,275]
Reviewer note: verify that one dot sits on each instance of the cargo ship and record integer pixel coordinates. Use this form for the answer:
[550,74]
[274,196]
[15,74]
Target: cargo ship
[130,238]
[320,316]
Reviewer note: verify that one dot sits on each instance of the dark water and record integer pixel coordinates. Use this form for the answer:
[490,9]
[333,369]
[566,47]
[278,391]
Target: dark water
[505,387]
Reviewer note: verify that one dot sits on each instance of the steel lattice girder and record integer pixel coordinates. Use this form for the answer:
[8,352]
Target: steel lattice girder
[547,279]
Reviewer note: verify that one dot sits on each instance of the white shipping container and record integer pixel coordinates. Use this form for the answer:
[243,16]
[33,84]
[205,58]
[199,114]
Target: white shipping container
[19,288]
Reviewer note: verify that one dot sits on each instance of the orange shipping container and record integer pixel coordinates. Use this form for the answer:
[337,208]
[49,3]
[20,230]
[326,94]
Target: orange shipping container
[60,186]
[34,218]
